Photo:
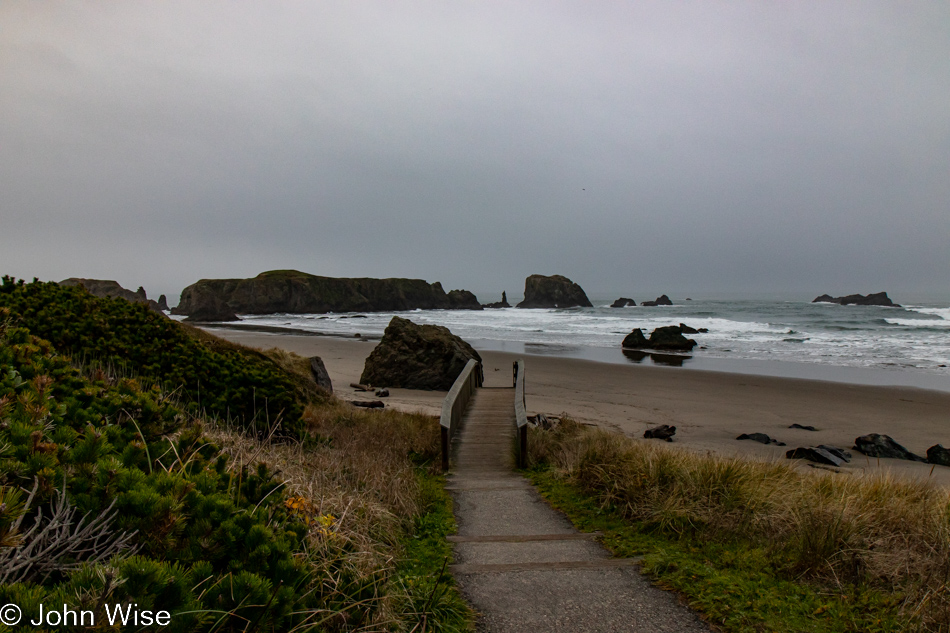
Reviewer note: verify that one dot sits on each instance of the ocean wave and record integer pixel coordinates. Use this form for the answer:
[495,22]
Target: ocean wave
[942,313]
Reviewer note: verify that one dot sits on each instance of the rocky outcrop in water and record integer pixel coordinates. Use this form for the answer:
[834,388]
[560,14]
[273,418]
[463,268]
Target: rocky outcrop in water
[662,300]
[415,356]
[669,338]
[162,303]
[109,288]
[462,300]
[499,304]
[876,299]
[623,302]
[555,291]
[294,292]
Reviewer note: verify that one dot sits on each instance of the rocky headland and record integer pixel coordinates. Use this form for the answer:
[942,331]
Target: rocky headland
[875,299]
[110,288]
[555,291]
[294,292]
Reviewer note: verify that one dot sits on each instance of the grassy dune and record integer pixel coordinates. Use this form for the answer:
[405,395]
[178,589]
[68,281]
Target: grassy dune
[219,482]
[759,546]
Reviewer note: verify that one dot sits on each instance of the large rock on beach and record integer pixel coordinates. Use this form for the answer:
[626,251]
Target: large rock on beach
[623,302]
[670,338]
[635,340]
[109,288]
[499,304]
[662,300]
[555,291]
[320,375]
[877,445]
[415,356]
[939,455]
[875,299]
[294,292]
[662,432]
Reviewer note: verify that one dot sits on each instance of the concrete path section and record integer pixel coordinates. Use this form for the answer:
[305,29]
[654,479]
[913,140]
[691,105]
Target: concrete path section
[521,564]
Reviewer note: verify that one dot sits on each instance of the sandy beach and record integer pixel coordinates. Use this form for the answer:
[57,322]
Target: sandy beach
[708,408]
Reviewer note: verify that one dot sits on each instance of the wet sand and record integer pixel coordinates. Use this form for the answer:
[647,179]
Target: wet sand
[709,409]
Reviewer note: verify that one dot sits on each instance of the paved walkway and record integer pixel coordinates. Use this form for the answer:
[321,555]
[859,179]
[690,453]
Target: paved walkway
[521,564]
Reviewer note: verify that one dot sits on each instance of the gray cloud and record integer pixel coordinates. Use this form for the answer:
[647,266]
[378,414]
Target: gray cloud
[636,147]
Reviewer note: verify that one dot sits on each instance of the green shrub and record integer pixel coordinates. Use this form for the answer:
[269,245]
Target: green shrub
[206,374]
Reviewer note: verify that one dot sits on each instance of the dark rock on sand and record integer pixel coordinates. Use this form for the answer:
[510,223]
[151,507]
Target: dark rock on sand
[417,357]
[939,455]
[877,445]
[623,302]
[499,304]
[108,288]
[294,292]
[875,299]
[761,438]
[805,427]
[662,432]
[840,453]
[555,291]
[670,338]
[662,300]
[635,340]
[666,338]
[815,454]
[382,393]
[319,372]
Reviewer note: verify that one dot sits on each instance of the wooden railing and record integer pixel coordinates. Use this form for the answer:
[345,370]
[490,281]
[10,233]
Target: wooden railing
[454,405]
[521,417]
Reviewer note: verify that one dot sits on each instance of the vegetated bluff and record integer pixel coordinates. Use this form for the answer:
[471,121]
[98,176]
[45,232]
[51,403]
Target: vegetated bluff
[294,292]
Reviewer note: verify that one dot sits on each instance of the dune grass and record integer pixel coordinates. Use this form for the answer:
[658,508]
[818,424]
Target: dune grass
[758,545]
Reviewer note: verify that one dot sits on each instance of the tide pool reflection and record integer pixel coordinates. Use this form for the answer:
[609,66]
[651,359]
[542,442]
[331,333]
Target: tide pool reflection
[671,360]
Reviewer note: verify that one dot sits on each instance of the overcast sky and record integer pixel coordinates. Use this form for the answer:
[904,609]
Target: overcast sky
[636,147]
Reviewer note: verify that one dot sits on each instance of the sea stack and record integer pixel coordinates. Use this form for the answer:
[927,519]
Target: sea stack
[555,291]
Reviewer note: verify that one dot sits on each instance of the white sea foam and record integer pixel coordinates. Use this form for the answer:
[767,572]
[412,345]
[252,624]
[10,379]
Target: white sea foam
[802,332]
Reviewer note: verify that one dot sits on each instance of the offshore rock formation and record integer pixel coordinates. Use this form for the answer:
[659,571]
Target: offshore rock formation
[415,356]
[162,303]
[499,304]
[876,299]
[555,291]
[662,338]
[623,302]
[294,292]
[109,288]
[662,300]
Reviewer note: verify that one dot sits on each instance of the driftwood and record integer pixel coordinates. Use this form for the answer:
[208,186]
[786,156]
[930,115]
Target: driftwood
[360,387]
[368,404]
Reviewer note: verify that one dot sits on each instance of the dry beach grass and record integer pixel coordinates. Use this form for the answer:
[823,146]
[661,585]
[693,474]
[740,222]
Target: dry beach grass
[840,531]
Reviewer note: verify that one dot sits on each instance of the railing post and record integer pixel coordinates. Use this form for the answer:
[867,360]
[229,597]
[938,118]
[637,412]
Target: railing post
[454,405]
[521,417]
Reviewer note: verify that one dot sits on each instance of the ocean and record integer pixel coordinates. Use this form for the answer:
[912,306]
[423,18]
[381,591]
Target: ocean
[860,344]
